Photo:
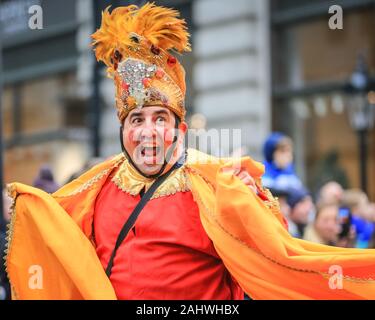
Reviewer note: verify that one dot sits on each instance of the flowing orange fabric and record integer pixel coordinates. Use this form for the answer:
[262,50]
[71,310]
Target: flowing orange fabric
[259,252]
[49,257]
[247,233]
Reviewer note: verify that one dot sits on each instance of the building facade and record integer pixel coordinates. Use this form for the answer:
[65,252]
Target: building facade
[46,87]
[312,64]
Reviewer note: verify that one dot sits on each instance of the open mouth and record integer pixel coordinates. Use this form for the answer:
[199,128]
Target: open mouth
[150,151]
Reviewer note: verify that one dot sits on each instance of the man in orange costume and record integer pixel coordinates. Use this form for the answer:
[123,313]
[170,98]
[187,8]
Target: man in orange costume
[159,221]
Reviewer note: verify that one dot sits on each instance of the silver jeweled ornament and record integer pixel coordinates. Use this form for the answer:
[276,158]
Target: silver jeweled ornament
[133,72]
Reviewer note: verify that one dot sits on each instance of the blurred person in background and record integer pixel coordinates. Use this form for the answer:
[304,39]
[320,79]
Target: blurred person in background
[371,211]
[279,169]
[45,180]
[362,220]
[371,214]
[282,197]
[331,192]
[325,228]
[301,211]
[6,210]
[4,283]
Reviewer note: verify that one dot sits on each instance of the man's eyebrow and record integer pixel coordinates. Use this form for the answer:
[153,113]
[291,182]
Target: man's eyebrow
[159,112]
[136,114]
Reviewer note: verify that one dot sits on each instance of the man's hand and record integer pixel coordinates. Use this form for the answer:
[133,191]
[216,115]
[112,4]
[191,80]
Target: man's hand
[244,176]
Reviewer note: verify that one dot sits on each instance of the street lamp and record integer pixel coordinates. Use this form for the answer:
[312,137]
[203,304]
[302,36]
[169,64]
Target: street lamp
[361,110]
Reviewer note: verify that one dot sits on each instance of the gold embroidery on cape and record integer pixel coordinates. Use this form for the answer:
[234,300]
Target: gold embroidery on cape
[11,191]
[88,184]
[130,181]
[273,202]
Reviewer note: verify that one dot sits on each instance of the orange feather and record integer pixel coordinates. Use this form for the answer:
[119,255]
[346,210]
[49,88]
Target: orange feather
[153,25]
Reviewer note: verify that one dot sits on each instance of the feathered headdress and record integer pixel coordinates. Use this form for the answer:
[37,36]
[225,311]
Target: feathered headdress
[136,44]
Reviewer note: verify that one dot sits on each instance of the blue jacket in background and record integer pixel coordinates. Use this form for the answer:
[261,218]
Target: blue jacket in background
[274,177]
[364,231]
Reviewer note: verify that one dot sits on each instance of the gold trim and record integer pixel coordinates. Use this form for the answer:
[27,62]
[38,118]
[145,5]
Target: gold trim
[273,202]
[128,180]
[88,184]
[11,190]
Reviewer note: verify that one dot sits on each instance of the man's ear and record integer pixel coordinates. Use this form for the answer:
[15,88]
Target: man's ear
[183,127]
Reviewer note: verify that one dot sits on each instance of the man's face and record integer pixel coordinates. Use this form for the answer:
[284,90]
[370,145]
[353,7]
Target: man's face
[148,135]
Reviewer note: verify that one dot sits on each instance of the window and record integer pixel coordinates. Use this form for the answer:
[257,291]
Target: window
[311,65]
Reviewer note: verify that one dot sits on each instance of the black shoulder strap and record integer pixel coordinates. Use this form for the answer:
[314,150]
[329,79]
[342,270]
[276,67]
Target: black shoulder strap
[134,215]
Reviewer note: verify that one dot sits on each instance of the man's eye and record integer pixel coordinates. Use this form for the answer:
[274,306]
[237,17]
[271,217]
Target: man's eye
[137,121]
[161,120]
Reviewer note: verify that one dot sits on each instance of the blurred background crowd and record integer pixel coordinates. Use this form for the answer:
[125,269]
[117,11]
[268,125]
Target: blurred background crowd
[301,91]
[332,215]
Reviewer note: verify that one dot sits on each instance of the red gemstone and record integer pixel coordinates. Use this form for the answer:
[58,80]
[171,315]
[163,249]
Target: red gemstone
[125,86]
[171,61]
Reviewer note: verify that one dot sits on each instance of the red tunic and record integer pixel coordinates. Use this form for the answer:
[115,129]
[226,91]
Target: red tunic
[167,256]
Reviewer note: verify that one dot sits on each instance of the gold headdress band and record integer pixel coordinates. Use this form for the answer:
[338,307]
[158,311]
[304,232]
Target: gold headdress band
[135,44]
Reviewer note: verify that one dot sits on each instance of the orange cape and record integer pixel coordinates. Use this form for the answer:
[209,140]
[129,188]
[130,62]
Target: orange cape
[53,232]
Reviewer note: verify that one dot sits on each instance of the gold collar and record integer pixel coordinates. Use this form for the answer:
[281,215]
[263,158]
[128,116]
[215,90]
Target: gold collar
[129,180]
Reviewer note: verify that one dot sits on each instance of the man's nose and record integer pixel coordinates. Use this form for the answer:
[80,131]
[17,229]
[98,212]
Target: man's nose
[148,132]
